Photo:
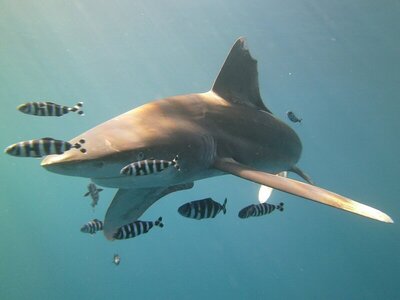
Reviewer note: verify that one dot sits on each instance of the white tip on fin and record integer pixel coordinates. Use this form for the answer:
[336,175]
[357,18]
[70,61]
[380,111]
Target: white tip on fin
[301,189]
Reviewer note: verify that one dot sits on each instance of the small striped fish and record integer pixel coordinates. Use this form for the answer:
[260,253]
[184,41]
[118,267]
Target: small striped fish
[292,117]
[136,228]
[49,109]
[149,166]
[94,193]
[202,209]
[92,227]
[42,147]
[256,210]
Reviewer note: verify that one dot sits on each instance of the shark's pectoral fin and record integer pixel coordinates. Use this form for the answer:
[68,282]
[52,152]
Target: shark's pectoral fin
[300,189]
[129,204]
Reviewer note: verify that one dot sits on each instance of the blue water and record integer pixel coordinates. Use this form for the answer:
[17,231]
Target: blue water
[335,63]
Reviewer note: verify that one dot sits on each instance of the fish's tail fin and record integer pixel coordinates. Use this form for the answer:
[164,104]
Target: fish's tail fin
[159,223]
[77,108]
[79,145]
[127,170]
[175,162]
[224,206]
[280,206]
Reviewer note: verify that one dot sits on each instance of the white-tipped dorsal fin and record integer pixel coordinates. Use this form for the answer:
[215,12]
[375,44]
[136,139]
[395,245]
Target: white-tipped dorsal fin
[300,189]
[237,82]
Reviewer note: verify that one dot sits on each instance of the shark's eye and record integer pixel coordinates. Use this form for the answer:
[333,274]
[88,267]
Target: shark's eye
[140,156]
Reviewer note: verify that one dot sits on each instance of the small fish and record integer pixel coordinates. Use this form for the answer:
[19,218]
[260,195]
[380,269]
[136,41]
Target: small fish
[92,227]
[42,147]
[202,209]
[149,166]
[292,117]
[117,259]
[94,193]
[136,228]
[49,109]
[256,210]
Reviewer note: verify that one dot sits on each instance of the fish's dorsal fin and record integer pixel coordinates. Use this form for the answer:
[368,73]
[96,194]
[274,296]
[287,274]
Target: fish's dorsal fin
[237,82]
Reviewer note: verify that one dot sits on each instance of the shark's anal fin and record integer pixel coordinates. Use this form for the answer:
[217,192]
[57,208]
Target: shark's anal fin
[301,189]
[237,82]
[129,204]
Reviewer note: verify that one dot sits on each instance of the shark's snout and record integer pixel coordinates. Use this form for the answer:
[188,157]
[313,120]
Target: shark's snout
[75,163]
[69,163]
[58,164]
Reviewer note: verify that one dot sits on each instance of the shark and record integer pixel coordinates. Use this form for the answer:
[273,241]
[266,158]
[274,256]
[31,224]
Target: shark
[227,130]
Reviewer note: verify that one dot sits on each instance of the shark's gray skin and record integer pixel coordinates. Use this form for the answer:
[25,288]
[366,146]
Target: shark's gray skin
[225,130]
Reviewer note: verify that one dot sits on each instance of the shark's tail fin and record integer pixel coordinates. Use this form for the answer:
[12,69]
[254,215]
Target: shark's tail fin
[224,206]
[77,108]
[158,222]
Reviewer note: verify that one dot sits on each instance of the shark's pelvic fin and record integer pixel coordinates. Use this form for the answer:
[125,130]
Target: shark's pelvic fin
[237,82]
[300,189]
[129,204]
[303,175]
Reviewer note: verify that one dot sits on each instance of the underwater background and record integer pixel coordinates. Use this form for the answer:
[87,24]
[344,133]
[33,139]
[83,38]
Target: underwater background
[334,63]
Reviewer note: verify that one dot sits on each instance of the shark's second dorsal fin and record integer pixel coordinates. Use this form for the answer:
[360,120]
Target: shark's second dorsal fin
[237,82]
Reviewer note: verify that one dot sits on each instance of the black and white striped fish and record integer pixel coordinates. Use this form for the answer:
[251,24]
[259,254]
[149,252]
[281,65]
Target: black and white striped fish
[149,166]
[42,147]
[202,209]
[49,109]
[256,210]
[92,227]
[292,117]
[136,228]
[94,193]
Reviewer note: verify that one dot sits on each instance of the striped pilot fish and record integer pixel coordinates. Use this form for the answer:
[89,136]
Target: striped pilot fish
[49,109]
[202,209]
[92,227]
[149,166]
[94,193]
[136,228]
[292,117]
[256,210]
[42,147]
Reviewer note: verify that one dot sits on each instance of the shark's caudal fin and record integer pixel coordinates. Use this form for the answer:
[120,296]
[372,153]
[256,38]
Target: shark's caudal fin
[300,189]
[129,204]
[237,82]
